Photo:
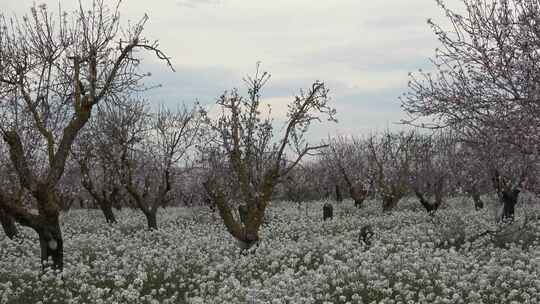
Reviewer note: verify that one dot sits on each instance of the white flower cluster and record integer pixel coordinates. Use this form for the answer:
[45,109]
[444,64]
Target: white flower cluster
[414,258]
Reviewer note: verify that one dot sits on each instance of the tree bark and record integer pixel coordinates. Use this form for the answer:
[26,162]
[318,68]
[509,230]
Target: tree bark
[430,207]
[339,196]
[359,196]
[478,203]
[51,243]
[508,195]
[243,211]
[108,213]
[509,199]
[151,219]
[8,224]
[389,203]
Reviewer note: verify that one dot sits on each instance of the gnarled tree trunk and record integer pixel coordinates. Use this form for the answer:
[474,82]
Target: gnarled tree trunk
[247,233]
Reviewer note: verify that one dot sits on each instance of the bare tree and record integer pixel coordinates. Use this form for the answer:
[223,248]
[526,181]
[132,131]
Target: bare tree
[431,178]
[54,71]
[349,157]
[390,157]
[246,154]
[470,173]
[159,157]
[98,153]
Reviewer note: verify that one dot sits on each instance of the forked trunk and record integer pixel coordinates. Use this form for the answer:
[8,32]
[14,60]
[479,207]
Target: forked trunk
[246,234]
[8,224]
[51,243]
[151,219]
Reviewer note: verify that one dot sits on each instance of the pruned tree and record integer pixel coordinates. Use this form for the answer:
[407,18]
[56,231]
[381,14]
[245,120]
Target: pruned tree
[249,154]
[54,69]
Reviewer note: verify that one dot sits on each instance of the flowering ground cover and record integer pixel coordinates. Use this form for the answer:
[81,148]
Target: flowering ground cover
[413,258]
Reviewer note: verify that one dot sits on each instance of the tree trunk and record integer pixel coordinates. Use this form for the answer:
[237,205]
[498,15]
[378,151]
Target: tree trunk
[246,234]
[151,219]
[389,203]
[359,196]
[478,203]
[8,223]
[430,207]
[243,212]
[328,211]
[51,243]
[108,213]
[339,196]
[509,199]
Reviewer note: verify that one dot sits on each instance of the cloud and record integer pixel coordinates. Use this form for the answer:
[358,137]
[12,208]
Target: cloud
[362,50]
[195,3]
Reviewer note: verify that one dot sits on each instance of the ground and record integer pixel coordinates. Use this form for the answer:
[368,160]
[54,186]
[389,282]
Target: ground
[414,258]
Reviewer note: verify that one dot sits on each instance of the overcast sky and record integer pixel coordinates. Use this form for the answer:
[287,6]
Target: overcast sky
[362,50]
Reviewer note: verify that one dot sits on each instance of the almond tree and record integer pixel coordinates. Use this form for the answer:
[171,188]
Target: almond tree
[470,174]
[53,71]
[390,157]
[486,87]
[151,165]
[431,178]
[349,158]
[98,153]
[249,154]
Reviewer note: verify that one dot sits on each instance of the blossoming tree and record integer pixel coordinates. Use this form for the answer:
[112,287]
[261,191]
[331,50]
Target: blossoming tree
[486,87]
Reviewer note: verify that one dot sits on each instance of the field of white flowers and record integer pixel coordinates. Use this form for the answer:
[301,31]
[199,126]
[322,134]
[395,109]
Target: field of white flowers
[414,258]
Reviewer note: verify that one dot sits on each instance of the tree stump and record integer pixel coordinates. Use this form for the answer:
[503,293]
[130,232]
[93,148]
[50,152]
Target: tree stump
[328,211]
